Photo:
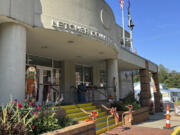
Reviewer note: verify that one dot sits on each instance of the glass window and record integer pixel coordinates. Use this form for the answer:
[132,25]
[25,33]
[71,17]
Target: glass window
[87,74]
[83,75]
[103,78]
[36,60]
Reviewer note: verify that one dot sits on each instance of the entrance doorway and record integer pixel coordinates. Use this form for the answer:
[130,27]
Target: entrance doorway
[83,80]
[48,85]
[46,81]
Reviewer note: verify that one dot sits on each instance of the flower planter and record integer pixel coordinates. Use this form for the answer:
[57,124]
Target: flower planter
[83,128]
[139,115]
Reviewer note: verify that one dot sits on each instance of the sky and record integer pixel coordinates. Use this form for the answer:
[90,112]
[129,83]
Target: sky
[156,35]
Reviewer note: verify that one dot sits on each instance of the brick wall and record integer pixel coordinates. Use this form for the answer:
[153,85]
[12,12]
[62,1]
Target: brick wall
[157,94]
[145,93]
[83,128]
[139,115]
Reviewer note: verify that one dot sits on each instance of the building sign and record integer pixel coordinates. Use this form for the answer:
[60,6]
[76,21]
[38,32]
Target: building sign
[80,30]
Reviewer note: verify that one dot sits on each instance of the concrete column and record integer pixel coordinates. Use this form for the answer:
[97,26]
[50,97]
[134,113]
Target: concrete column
[12,62]
[145,93]
[112,73]
[96,76]
[157,94]
[69,81]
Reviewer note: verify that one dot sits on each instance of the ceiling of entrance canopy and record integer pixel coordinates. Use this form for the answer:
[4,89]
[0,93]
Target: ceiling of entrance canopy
[66,46]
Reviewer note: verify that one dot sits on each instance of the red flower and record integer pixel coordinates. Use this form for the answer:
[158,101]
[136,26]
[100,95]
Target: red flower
[15,100]
[38,108]
[35,113]
[19,105]
[33,127]
[31,103]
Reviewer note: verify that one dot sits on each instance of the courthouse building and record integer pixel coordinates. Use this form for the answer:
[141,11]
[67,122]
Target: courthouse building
[63,43]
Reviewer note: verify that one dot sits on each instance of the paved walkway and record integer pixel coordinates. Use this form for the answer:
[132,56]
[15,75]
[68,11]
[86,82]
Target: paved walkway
[154,126]
[159,121]
[136,130]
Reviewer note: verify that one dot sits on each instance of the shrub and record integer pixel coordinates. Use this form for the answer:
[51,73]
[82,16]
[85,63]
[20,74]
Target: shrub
[177,103]
[16,118]
[47,121]
[27,119]
[129,100]
[65,121]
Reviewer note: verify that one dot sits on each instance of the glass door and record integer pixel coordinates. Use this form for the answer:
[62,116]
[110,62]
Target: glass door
[83,75]
[48,85]
[44,78]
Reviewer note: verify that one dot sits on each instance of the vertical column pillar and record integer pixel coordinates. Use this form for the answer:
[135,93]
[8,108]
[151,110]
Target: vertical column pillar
[113,78]
[145,93]
[69,80]
[96,76]
[12,62]
[157,94]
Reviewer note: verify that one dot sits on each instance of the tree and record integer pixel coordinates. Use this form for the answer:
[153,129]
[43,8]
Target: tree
[173,80]
[136,78]
[163,73]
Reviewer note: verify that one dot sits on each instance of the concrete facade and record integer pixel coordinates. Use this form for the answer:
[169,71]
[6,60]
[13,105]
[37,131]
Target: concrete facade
[125,83]
[113,78]
[61,30]
[69,81]
[12,61]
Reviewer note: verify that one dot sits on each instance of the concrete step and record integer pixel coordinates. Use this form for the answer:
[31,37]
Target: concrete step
[103,123]
[104,129]
[86,117]
[66,107]
[76,110]
[80,113]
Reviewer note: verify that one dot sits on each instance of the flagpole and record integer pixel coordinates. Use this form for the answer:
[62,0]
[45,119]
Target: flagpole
[131,39]
[130,25]
[123,26]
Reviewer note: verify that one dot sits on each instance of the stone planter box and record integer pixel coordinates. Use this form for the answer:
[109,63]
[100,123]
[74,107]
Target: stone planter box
[83,128]
[177,109]
[139,115]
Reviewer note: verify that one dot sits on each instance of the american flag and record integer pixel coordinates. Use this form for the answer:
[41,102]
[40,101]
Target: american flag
[122,3]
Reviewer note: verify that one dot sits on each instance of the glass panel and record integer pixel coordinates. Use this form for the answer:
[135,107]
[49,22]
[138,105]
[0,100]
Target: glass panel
[79,74]
[103,78]
[87,75]
[35,60]
[56,84]
[83,75]
[46,83]
[57,64]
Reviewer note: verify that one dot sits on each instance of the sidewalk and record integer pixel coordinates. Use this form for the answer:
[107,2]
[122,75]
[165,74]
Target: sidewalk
[136,130]
[154,126]
[158,120]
